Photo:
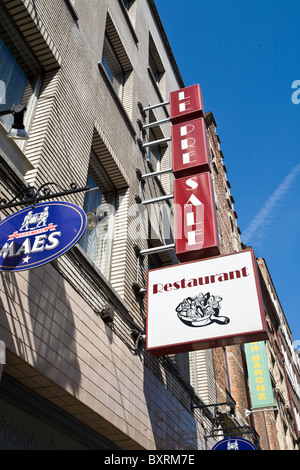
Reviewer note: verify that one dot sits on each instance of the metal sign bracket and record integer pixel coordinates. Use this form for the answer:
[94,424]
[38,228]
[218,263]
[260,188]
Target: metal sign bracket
[30,196]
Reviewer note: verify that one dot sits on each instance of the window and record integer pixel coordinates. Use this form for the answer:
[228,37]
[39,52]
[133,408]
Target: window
[113,67]
[130,7]
[129,11]
[155,153]
[212,153]
[117,66]
[101,201]
[128,4]
[156,66]
[231,223]
[154,69]
[226,370]
[19,72]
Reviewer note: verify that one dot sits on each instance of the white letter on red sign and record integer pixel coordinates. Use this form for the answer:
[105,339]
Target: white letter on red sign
[186,104]
[189,148]
[196,233]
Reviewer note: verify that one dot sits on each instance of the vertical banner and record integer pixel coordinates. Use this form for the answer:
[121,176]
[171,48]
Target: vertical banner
[259,377]
[189,148]
[196,233]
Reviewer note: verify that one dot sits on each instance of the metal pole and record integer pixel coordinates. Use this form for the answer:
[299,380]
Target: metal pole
[156,142]
[207,406]
[156,105]
[156,123]
[157,199]
[157,249]
[248,412]
[156,173]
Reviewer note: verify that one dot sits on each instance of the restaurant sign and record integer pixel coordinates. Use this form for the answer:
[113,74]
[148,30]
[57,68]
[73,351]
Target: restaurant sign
[37,235]
[204,304]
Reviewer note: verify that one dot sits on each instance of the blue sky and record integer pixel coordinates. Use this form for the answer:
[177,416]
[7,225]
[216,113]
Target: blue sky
[246,58]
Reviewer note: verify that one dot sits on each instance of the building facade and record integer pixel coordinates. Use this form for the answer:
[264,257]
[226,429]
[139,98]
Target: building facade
[73,329]
[219,374]
[284,370]
[74,370]
[275,427]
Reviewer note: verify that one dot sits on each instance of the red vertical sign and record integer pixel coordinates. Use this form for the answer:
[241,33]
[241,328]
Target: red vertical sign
[189,148]
[186,104]
[196,232]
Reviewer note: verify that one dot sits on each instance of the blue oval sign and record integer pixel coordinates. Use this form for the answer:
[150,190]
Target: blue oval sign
[37,235]
[234,443]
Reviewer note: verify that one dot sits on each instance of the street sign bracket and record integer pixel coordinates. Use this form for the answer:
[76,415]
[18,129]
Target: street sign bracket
[31,196]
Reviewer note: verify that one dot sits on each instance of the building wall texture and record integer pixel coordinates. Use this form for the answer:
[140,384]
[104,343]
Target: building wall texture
[94,375]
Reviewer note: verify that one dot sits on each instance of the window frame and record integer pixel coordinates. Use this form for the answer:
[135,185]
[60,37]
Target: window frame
[226,370]
[114,78]
[102,264]
[126,101]
[155,67]
[28,67]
